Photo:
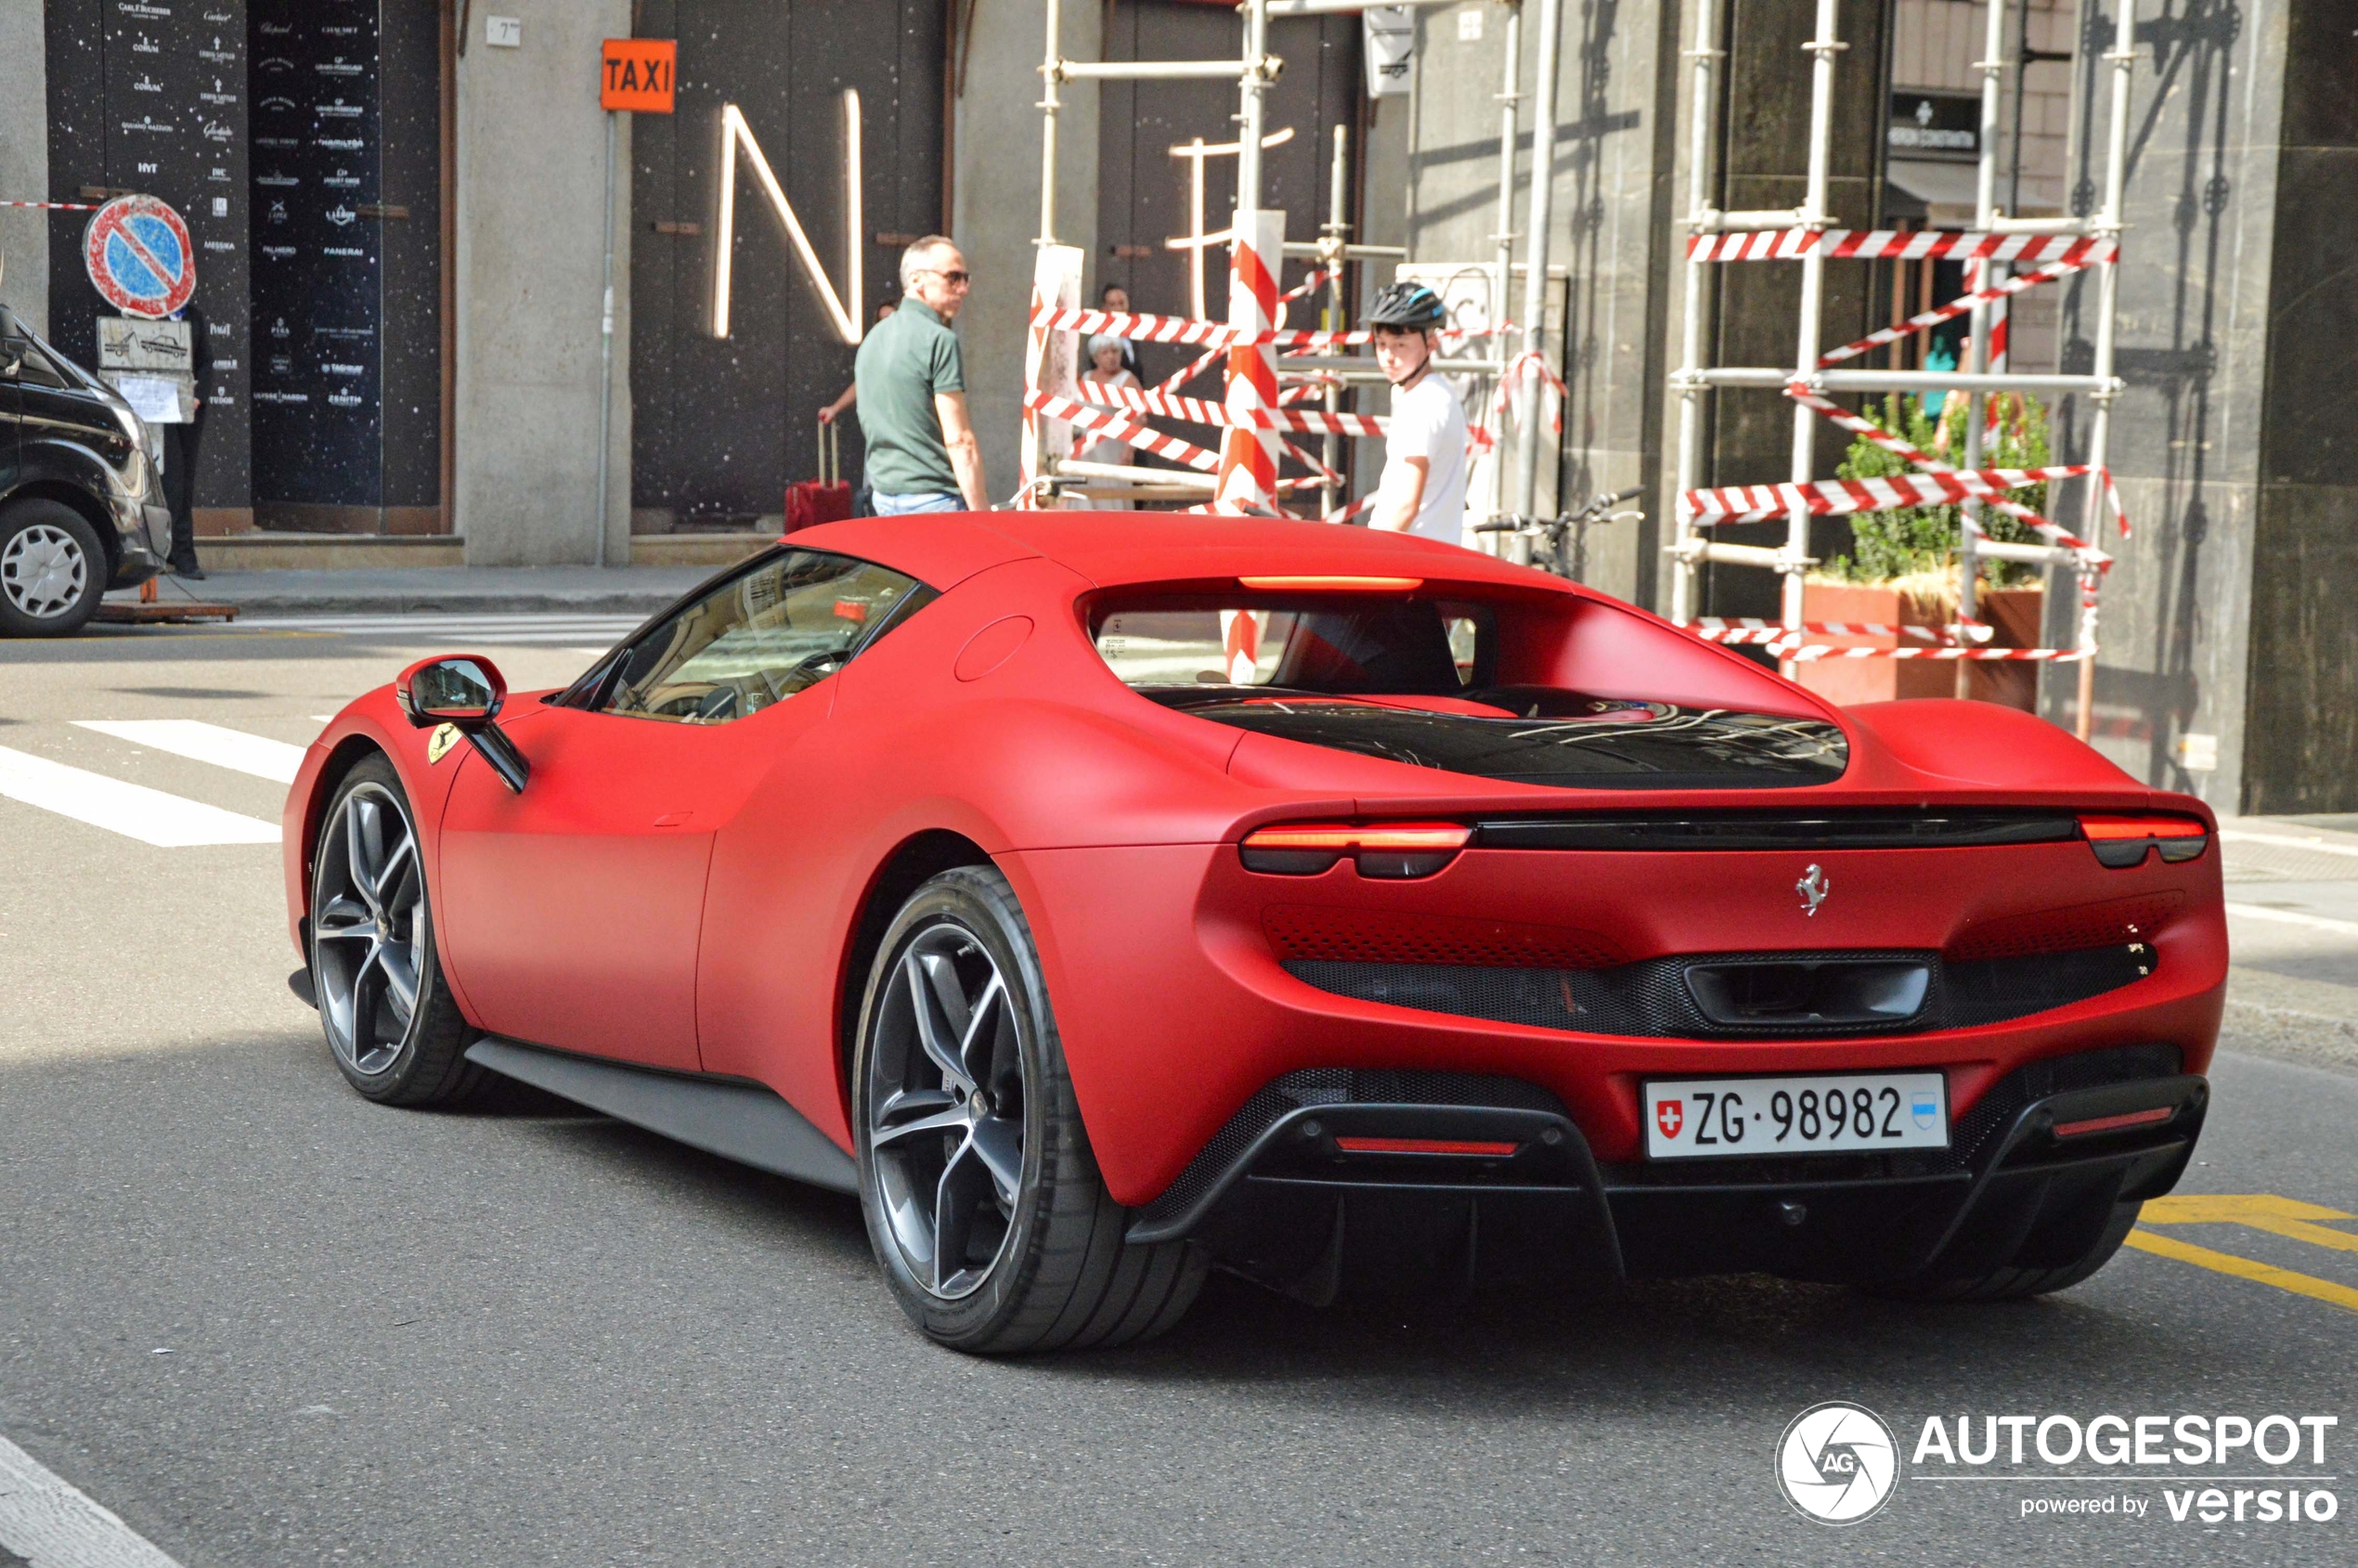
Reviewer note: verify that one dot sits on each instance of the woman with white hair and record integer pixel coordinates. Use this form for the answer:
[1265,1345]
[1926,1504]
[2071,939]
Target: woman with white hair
[1105,369]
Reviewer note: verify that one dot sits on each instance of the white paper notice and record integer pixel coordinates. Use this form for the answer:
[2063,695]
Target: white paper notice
[153,398]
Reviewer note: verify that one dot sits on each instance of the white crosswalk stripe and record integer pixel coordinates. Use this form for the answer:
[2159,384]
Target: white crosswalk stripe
[135,812]
[584,633]
[46,1523]
[200,742]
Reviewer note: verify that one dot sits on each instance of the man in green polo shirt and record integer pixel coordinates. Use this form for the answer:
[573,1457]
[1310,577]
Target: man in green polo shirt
[922,451]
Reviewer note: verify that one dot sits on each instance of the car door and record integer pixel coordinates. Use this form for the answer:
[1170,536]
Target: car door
[571,911]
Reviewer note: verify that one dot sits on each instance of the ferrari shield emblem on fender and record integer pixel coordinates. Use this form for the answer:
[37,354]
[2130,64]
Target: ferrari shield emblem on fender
[1813,888]
[1670,1115]
[445,737]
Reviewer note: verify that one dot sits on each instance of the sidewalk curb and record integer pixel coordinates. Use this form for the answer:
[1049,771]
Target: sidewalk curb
[2305,1021]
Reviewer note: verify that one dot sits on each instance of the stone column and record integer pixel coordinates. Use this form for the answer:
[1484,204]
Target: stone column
[995,78]
[24,162]
[531,164]
[2230,634]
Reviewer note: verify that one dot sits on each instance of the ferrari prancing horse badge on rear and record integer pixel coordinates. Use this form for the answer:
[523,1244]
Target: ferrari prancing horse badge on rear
[445,737]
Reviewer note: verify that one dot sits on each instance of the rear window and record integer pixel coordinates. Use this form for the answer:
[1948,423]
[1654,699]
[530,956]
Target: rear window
[1422,681]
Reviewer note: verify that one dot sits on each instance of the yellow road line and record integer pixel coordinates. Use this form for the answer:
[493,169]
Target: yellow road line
[2260,1210]
[2243,1268]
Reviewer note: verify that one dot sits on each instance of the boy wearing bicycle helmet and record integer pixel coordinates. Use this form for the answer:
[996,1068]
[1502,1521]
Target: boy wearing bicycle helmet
[1423,489]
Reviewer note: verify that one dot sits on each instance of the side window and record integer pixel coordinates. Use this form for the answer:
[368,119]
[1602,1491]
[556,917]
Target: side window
[756,640]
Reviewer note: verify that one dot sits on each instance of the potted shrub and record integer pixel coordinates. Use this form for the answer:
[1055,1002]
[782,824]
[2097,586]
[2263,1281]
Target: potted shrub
[1901,569]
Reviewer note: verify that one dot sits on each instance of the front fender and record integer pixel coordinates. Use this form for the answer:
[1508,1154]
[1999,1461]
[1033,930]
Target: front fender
[370,723]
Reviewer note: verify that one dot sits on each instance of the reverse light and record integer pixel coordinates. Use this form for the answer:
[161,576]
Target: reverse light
[2121,841]
[1333,585]
[1390,850]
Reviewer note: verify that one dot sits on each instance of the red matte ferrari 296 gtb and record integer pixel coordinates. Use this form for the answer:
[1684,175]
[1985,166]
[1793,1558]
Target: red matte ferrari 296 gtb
[1103,898]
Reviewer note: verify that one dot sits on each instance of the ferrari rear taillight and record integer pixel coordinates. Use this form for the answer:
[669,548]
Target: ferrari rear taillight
[1384,849]
[2122,841]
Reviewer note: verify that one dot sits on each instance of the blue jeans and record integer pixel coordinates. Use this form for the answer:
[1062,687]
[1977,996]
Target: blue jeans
[918,500]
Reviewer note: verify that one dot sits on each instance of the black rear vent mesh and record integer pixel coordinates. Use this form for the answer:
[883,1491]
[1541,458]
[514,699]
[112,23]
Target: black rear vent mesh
[1650,1000]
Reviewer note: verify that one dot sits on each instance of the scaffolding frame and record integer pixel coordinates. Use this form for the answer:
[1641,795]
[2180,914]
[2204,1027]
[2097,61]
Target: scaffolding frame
[1690,550]
[1255,69]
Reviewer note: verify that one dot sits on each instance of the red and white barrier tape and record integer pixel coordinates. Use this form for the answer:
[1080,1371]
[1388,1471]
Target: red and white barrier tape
[1482,437]
[1812,654]
[1961,305]
[1127,431]
[1194,368]
[1887,245]
[2054,533]
[1200,411]
[1838,498]
[1750,629]
[1187,330]
[54,206]
[1247,475]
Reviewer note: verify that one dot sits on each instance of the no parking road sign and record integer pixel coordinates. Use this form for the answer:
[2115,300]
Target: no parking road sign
[140,256]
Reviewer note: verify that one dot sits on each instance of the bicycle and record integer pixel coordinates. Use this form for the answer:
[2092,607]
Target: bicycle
[1549,536]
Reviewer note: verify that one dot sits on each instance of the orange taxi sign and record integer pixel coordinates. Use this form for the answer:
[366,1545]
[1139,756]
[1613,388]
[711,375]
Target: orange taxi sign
[637,75]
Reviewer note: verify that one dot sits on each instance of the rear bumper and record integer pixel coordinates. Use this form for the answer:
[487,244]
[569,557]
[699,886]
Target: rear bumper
[1354,1196]
[1177,999]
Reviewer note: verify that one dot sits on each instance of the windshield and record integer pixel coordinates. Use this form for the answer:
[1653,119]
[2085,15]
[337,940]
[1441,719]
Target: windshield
[1428,682]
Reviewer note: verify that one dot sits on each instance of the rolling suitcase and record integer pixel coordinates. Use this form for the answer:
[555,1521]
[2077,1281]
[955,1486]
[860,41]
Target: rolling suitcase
[826,499]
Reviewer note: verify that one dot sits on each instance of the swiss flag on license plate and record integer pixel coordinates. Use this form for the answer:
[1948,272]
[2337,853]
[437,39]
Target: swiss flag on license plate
[1670,1115]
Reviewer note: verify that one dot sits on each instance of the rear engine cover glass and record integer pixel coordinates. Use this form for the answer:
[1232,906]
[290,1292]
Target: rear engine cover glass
[1410,680]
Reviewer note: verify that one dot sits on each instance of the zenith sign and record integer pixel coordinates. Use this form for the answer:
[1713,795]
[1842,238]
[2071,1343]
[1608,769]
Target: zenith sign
[736,135]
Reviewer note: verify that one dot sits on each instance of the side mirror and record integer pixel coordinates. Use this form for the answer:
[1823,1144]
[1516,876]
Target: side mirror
[464,692]
[457,689]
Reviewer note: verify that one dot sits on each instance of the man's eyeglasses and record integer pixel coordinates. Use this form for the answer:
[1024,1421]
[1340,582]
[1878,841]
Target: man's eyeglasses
[955,280]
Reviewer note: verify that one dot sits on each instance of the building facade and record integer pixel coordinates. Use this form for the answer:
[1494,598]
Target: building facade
[406,212]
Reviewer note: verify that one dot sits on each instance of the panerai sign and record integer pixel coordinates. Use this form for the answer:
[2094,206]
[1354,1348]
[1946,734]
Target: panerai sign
[1946,125]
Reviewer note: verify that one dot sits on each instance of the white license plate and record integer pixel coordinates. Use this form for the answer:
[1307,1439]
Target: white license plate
[1712,1118]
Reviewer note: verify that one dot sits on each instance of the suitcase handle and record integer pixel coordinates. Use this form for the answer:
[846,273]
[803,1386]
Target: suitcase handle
[830,454]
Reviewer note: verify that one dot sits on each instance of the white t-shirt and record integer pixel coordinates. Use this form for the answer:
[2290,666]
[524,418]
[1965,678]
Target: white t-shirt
[1428,422]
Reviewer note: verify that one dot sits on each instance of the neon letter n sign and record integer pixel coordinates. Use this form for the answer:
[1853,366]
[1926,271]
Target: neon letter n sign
[735,135]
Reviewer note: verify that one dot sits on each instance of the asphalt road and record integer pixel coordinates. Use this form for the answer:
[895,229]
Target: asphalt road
[266,1323]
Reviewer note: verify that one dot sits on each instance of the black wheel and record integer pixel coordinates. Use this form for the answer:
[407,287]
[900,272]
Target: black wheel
[53,571]
[388,1016]
[2015,1283]
[982,1198]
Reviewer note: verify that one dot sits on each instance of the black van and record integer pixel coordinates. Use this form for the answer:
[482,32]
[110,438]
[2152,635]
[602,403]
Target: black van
[81,501]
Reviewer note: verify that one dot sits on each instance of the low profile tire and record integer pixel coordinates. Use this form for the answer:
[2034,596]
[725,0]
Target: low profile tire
[53,570]
[2017,1284]
[983,1197]
[388,1016]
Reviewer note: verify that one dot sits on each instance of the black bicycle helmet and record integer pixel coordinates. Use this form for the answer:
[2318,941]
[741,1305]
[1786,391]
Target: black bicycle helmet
[1411,308]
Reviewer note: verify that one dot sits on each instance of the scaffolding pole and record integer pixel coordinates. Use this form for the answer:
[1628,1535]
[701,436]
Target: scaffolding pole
[1510,101]
[2122,57]
[1687,547]
[1690,548]
[1255,69]
[1539,215]
[1977,356]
